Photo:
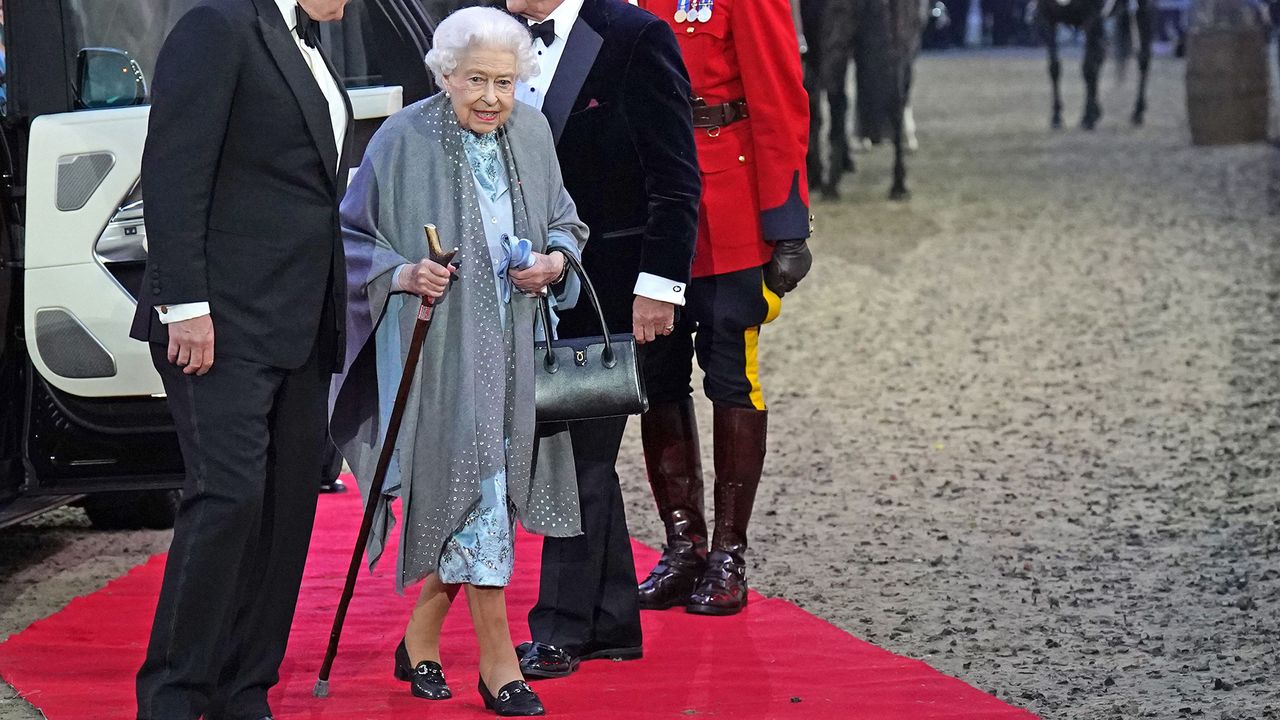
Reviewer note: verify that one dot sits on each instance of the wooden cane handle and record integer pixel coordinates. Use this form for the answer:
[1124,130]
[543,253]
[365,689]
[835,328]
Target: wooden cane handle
[435,249]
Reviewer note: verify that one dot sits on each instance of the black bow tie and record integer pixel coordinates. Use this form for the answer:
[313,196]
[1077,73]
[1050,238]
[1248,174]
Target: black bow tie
[546,31]
[308,30]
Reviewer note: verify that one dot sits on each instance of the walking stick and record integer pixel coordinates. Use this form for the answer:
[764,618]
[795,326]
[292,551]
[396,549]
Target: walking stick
[425,310]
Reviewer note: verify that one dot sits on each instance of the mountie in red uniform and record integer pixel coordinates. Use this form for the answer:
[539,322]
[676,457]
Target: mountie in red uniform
[753,164]
[751,126]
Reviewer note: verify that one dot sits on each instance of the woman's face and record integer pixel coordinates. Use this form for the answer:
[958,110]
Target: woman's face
[483,89]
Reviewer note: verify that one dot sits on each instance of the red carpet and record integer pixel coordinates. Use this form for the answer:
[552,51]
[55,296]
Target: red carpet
[772,661]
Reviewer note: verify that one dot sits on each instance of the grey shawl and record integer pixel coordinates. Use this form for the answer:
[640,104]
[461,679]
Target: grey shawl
[471,411]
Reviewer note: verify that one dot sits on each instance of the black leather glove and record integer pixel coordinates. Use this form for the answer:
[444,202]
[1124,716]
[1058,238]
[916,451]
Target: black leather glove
[791,262]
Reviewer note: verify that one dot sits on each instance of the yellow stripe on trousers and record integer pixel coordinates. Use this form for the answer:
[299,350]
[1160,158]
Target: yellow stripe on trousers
[752,341]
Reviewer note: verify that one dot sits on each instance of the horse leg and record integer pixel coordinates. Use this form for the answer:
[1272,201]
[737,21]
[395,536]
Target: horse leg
[1049,34]
[811,12]
[838,158]
[847,116]
[1124,38]
[909,117]
[896,111]
[813,159]
[1094,52]
[909,128]
[1146,28]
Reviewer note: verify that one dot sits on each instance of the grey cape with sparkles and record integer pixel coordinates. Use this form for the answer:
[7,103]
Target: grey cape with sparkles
[471,411]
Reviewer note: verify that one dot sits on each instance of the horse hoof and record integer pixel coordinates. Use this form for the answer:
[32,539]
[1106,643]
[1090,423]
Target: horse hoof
[1137,119]
[1056,123]
[830,192]
[899,194]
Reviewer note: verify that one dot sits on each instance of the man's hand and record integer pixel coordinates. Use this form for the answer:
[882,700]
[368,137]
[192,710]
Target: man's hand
[425,279]
[652,318]
[791,262]
[191,344]
[535,278]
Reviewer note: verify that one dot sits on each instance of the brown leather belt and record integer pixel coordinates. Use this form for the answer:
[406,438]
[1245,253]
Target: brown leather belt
[718,116]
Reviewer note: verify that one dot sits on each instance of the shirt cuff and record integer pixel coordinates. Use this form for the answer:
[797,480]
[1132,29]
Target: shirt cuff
[659,288]
[395,280]
[182,311]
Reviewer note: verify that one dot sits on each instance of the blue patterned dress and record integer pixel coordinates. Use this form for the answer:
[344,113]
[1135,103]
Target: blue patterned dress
[482,551]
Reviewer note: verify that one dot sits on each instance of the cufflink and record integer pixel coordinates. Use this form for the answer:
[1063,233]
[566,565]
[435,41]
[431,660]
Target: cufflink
[677,288]
[164,309]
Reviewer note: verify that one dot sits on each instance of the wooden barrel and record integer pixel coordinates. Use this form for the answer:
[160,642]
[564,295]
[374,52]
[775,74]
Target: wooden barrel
[1227,81]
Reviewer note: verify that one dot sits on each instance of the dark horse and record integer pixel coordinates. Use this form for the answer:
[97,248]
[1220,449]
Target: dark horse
[1090,16]
[882,38]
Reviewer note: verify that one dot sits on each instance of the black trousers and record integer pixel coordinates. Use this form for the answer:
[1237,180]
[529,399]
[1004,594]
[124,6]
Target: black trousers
[721,325]
[252,438]
[587,597]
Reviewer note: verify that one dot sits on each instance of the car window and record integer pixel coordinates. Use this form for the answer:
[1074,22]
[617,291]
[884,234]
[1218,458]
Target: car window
[139,27]
[351,45]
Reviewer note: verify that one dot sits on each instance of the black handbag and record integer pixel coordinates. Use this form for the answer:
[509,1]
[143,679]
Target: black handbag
[589,377]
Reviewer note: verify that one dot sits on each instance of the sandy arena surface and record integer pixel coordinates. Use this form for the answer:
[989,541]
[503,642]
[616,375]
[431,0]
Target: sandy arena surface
[1023,426]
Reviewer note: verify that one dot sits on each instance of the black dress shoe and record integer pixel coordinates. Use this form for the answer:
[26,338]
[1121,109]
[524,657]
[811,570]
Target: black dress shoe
[515,699]
[599,651]
[426,678]
[723,587]
[333,486]
[542,661]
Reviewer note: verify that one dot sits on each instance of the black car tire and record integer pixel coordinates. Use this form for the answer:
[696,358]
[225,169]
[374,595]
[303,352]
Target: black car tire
[153,510]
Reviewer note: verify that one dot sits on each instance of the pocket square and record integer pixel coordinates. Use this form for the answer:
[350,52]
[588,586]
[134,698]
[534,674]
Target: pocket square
[592,103]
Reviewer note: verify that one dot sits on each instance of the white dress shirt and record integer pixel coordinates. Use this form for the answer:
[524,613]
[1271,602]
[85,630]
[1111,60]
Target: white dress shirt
[337,115]
[320,71]
[534,92]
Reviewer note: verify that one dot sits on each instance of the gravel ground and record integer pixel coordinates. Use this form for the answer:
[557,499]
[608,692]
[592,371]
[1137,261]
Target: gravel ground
[1019,424]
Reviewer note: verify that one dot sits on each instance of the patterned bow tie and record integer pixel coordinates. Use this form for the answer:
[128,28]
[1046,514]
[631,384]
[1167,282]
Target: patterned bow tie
[308,30]
[545,31]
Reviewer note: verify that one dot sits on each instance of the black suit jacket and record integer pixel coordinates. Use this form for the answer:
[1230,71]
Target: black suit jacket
[241,181]
[619,108]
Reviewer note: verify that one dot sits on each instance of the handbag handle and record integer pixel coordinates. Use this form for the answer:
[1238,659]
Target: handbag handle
[609,359]
[607,356]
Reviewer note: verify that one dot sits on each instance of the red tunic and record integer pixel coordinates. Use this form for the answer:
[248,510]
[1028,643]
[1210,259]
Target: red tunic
[753,171]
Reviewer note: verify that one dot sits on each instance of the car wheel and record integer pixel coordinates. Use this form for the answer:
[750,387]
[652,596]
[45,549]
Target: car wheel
[153,509]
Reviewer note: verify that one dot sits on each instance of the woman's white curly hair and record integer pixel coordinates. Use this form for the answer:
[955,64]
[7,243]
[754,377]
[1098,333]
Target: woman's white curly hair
[479,27]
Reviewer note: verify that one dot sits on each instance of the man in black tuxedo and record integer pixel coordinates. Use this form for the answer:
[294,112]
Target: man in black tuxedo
[616,94]
[243,303]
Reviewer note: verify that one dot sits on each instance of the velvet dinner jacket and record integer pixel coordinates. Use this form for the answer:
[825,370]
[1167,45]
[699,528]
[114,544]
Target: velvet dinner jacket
[242,179]
[619,109]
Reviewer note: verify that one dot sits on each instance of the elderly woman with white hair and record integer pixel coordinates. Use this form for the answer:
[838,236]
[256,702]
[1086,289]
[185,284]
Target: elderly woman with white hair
[483,169]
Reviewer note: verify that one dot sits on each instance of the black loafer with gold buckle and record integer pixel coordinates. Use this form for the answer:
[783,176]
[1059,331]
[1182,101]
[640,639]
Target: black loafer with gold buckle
[426,679]
[515,699]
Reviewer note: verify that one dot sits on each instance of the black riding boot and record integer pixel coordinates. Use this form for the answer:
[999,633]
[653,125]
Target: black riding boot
[739,447]
[670,435]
